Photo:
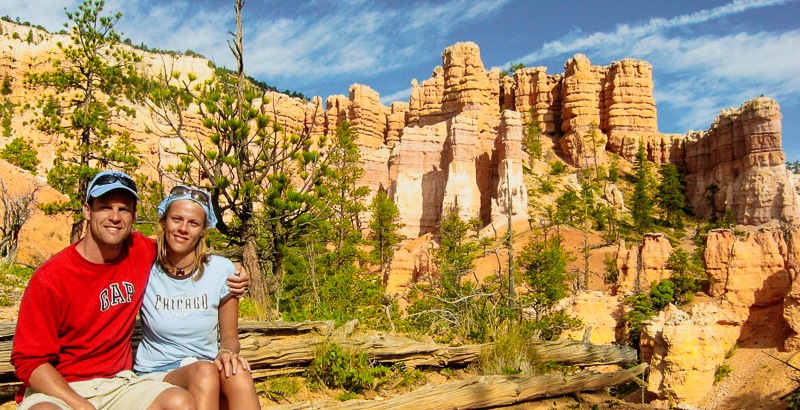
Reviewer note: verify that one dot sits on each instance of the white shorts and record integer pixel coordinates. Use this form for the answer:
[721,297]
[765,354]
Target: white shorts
[125,391]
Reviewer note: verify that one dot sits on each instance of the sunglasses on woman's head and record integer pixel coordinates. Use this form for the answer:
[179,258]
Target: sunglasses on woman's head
[112,178]
[196,194]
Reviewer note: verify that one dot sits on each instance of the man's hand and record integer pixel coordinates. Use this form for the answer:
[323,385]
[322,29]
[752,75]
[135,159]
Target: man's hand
[46,379]
[239,283]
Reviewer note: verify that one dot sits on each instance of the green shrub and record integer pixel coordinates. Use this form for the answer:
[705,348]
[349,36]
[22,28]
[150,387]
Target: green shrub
[348,395]
[5,89]
[4,301]
[20,153]
[722,372]
[350,371]
[247,308]
[546,186]
[557,168]
[280,388]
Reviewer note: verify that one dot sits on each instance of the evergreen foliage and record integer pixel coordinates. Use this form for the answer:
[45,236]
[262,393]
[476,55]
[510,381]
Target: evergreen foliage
[5,89]
[545,274]
[688,273]
[344,197]
[351,371]
[384,224]
[644,306]
[671,197]
[532,140]
[6,114]
[20,153]
[641,203]
[455,255]
[92,76]
[613,171]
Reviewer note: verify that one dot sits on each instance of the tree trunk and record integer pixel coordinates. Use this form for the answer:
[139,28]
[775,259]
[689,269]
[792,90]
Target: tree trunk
[259,290]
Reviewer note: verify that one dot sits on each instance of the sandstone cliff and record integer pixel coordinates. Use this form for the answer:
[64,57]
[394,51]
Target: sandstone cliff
[449,145]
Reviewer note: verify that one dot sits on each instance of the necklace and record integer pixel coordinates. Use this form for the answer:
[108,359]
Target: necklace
[180,271]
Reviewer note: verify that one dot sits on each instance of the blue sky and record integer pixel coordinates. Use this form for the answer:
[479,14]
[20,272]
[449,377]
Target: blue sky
[706,55]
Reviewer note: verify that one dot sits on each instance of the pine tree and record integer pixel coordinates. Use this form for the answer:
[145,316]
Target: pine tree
[92,76]
[344,197]
[532,139]
[456,253]
[383,228]
[642,201]
[671,197]
[545,273]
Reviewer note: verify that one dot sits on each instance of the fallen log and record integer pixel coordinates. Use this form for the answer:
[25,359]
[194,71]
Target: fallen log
[486,392]
[274,348]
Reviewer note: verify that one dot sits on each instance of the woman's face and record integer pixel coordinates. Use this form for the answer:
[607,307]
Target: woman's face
[184,226]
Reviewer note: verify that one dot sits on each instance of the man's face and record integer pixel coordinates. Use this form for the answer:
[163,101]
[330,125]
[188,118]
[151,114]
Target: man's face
[110,217]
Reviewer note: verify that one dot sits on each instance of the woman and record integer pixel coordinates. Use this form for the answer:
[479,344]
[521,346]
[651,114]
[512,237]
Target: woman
[186,303]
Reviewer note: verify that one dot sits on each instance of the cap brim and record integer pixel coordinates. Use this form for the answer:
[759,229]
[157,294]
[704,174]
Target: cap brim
[100,190]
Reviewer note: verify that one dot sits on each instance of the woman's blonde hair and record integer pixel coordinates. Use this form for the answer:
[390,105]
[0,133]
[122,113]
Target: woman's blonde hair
[202,255]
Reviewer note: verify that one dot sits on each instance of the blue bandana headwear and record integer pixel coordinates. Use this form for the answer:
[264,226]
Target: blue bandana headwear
[199,196]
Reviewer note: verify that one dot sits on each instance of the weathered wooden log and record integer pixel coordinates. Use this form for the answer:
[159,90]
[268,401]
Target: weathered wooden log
[282,347]
[486,392]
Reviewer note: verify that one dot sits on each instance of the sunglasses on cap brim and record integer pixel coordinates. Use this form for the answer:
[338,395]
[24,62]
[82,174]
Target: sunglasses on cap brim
[109,179]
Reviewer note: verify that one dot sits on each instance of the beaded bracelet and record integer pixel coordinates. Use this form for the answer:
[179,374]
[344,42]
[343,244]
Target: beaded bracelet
[226,350]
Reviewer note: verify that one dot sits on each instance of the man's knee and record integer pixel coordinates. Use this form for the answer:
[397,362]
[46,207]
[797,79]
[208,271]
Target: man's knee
[45,406]
[173,398]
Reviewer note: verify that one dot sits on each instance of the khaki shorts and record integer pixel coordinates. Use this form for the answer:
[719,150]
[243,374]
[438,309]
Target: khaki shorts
[123,391]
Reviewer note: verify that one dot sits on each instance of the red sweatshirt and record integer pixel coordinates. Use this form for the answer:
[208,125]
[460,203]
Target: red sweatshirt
[79,316]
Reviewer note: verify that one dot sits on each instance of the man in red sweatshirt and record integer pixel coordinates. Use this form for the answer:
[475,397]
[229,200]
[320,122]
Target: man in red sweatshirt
[72,345]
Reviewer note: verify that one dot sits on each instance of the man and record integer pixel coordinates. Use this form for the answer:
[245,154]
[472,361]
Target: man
[72,346]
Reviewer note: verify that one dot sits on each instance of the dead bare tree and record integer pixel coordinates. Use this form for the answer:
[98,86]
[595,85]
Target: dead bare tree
[16,210]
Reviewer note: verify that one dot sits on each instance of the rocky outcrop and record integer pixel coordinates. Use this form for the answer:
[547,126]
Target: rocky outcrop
[461,191]
[467,85]
[754,284]
[584,101]
[640,266]
[412,262]
[512,195]
[533,88]
[739,165]
[450,135]
[452,151]
[748,273]
[602,312]
[684,349]
[418,171]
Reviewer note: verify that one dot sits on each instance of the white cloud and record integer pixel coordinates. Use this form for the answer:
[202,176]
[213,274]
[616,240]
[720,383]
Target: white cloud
[402,95]
[357,39]
[577,41]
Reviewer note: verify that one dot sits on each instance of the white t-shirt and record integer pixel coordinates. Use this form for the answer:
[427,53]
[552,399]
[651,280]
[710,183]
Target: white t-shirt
[180,316]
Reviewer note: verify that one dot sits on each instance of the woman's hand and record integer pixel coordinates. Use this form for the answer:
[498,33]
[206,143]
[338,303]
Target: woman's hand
[230,362]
